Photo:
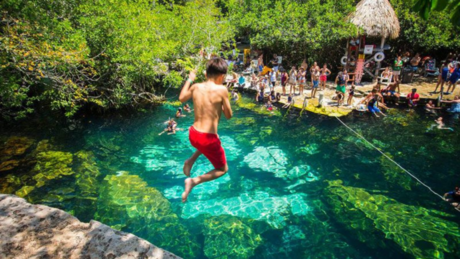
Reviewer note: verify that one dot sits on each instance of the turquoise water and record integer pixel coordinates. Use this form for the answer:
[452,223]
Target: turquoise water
[297,187]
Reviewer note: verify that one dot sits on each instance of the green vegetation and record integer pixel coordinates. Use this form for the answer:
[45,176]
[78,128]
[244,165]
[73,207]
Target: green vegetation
[68,55]
[418,231]
[107,54]
[425,8]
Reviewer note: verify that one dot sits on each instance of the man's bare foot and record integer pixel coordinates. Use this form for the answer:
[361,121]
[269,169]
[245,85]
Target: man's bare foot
[188,187]
[187,167]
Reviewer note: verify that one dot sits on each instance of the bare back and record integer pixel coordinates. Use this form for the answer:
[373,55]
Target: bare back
[209,101]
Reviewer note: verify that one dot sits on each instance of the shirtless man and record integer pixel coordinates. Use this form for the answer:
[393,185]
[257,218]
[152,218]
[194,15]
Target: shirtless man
[210,100]
[414,62]
[391,92]
[323,78]
[315,82]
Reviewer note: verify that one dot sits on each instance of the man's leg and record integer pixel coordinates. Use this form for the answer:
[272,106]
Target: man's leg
[189,163]
[192,182]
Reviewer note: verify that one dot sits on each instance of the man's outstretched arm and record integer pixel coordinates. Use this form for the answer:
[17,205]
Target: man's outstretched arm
[186,92]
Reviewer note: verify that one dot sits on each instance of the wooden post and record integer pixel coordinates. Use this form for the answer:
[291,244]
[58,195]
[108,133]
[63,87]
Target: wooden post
[377,69]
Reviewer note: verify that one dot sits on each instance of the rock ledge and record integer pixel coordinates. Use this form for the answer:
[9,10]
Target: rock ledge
[37,231]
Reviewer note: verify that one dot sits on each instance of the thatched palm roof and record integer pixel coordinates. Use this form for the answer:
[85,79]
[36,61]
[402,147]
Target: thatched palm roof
[377,18]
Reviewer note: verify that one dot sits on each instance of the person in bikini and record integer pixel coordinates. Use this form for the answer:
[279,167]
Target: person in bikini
[323,78]
[301,78]
[210,100]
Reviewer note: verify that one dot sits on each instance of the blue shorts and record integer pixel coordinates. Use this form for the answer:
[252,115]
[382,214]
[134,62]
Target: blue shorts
[373,109]
[261,68]
[414,69]
[453,79]
[444,78]
[315,84]
[392,92]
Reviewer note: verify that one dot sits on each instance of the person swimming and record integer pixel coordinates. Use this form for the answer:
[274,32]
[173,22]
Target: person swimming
[455,108]
[235,96]
[171,127]
[439,125]
[455,198]
[269,106]
[187,108]
[179,113]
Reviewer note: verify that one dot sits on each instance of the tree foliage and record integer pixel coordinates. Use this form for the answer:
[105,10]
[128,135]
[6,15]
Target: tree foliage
[429,36]
[295,29]
[425,8]
[68,54]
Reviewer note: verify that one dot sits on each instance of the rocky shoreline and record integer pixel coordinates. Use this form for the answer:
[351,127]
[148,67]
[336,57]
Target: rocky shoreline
[37,231]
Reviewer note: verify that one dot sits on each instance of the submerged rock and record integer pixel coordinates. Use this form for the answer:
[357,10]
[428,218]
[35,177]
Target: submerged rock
[37,231]
[416,229]
[127,203]
[51,165]
[228,237]
[268,159]
[11,150]
[258,205]
[15,146]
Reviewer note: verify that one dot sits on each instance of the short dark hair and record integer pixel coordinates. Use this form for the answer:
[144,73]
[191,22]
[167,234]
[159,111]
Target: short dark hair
[216,67]
[414,89]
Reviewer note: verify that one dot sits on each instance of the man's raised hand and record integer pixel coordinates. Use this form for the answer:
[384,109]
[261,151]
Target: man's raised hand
[192,75]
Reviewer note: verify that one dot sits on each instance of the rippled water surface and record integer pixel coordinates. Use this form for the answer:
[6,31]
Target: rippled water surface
[297,187]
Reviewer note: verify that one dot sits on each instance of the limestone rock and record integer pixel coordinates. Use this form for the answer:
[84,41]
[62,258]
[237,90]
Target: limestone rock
[37,231]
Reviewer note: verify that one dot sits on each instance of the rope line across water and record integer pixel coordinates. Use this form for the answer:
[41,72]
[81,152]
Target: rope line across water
[389,158]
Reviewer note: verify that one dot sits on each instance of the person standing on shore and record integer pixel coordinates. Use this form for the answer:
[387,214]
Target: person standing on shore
[315,82]
[302,80]
[323,77]
[341,82]
[397,68]
[292,79]
[443,73]
[210,100]
[284,80]
[414,62]
[454,77]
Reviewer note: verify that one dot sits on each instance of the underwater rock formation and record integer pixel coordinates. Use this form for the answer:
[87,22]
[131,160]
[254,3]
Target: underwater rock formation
[127,203]
[37,231]
[11,150]
[228,237]
[257,205]
[86,174]
[416,230]
[267,159]
[51,165]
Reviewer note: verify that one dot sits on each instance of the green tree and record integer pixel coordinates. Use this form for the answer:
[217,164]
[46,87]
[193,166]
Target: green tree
[295,29]
[69,54]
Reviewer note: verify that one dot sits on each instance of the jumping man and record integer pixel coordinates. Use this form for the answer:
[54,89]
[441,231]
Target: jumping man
[210,99]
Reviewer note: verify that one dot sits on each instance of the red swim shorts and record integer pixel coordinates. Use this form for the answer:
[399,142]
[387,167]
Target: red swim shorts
[323,78]
[209,145]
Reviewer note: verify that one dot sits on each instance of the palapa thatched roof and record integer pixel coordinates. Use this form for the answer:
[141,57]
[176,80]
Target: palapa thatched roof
[376,18]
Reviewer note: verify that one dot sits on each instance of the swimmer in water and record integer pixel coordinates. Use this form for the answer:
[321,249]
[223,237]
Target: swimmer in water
[179,113]
[187,108]
[269,106]
[170,128]
[455,198]
[235,96]
[439,125]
